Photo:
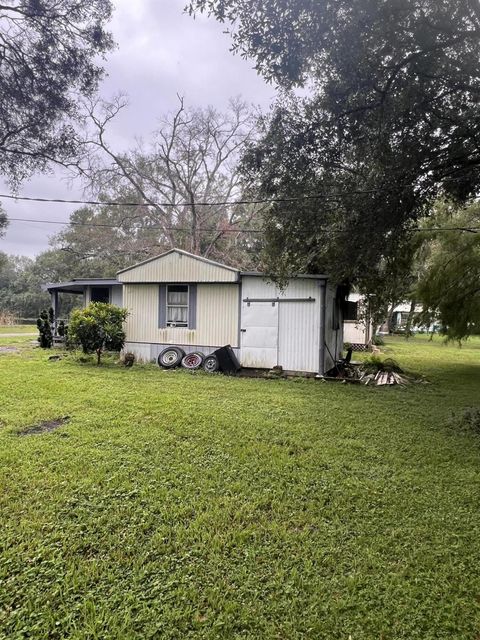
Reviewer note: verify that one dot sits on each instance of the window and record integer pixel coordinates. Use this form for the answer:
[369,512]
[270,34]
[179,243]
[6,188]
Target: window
[177,305]
[350,311]
[100,294]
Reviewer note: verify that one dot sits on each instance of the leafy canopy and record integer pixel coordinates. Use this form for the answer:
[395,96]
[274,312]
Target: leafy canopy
[449,286]
[49,58]
[389,121]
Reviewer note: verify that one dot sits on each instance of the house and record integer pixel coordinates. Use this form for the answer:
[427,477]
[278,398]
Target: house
[180,299]
[358,327]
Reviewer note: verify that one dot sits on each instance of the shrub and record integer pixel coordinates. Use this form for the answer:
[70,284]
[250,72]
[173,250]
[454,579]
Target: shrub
[44,326]
[373,364]
[378,340]
[97,328]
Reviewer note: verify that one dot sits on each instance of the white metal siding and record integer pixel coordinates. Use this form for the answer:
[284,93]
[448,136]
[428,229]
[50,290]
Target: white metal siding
[299,333]
[178,267]
[296,336]
[354,332]
[217,316]
[116,295]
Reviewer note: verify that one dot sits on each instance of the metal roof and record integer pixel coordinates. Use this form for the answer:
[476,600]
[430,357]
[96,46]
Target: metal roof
[77,285]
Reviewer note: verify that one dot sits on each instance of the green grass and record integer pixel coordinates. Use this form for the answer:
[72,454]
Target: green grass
[179,505]
[18,328]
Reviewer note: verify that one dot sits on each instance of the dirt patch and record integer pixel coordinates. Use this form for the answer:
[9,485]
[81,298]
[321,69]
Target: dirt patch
[43,427]
[9,349]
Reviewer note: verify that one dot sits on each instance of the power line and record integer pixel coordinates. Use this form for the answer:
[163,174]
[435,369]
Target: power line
[240,230]
[147,227]
[114,203]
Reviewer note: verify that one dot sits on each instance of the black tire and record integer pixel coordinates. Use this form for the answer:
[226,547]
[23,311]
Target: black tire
[193,360]
[210,364]
[170,357]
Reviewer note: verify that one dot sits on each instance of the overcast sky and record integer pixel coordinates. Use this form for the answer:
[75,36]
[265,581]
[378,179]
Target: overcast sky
[160,52]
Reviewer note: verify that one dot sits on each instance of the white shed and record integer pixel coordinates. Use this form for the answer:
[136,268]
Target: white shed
[199,305]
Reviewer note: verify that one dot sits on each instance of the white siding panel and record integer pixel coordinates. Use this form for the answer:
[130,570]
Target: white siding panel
[294,341]
[116,295]
[217,316]
[299,344]
[178,267]
[259,335]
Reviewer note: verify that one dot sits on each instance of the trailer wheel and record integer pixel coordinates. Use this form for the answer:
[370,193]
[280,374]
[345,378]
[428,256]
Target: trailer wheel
[193,360]
[210,364]
[170,357]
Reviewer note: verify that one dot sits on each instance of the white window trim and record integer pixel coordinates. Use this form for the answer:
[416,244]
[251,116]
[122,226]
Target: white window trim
[173,325]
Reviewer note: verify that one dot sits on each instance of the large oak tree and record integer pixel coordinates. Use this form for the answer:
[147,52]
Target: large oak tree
[388,121]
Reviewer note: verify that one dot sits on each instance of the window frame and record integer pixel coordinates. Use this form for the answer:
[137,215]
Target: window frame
[172,324]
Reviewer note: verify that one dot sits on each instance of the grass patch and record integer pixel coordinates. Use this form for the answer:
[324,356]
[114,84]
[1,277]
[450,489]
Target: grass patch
[184,505]
[18,328]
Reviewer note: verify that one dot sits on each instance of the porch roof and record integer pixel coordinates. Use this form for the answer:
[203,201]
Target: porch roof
[78,285]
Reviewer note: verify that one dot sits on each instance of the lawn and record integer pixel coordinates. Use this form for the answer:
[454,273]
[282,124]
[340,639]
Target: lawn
[18,328]
[180,505]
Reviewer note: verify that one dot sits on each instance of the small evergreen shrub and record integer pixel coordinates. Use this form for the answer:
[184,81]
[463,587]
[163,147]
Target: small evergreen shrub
[44,326]
[378,340]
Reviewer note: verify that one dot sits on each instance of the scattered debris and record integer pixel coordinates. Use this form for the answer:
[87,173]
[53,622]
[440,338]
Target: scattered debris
[275,372]
[129,359]
[384,377]
[43,427]
[56,357]
[372,371]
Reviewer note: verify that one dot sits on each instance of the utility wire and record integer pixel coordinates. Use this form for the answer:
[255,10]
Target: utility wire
[240,230]
[113,203]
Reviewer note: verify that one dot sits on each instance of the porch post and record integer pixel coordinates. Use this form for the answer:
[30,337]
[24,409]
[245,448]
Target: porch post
[56,309]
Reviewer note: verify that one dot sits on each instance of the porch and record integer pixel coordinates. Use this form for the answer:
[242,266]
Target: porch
[92,290]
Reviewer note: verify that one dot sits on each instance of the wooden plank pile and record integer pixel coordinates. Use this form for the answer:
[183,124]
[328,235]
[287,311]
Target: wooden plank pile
[384,377]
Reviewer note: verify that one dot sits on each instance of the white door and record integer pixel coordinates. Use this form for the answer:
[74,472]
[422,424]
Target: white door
[259,334]
[298,336]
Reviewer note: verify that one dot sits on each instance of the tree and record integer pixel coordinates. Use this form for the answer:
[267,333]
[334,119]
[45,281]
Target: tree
[192,160]
[390,121]
[97,327]
[3,222]
[21,281]
[49,53]
[449,288]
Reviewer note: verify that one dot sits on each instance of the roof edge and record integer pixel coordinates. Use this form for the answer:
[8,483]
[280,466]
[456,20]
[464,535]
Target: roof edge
[181,252]
[309,276]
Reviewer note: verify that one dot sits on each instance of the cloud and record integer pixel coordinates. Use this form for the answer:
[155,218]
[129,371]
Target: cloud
[161,52]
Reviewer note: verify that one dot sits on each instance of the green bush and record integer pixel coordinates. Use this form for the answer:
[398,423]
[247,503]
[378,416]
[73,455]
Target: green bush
[378,341]
[44,326]
[373,364]
[97,328]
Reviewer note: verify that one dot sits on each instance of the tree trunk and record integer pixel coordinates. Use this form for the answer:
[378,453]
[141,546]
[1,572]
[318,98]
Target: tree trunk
[411,313]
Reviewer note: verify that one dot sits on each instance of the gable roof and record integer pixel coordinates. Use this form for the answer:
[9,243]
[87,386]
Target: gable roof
[177,265]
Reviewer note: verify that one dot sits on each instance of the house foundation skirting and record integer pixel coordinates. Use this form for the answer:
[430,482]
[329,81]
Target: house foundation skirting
[149,351]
